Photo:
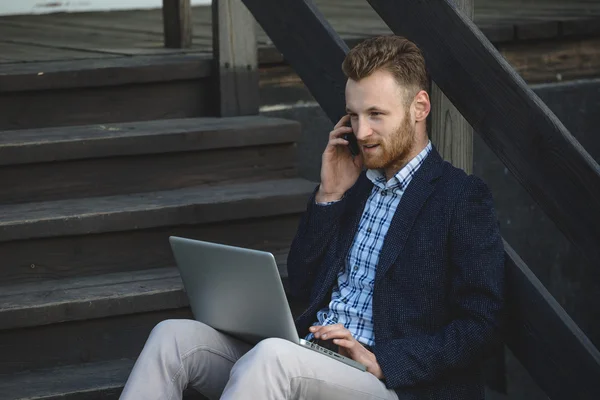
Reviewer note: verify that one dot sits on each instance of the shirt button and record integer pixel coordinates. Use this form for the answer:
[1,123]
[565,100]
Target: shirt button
[356,267]
[383,193]
[344,301]
[369,230]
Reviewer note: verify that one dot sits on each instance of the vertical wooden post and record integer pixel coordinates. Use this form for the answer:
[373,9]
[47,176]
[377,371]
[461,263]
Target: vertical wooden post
[177,23]
[236,58]
[450,132]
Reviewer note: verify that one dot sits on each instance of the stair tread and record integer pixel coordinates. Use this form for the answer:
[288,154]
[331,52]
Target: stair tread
[82,298]
[142,137]
[63,381]
[103,72]
[192,205]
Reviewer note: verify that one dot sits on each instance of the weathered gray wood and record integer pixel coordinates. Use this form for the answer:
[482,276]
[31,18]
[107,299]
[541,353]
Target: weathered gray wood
[554,61]
[91,297]
[498,21]
[557,354]
[74,299]
[236,58]
[177,22]
[450,132]
[146,173]
[79,342]
[51,259]
[136,138]
[154,209]
[107,71]
[93,381]
[107,104]
[102,380]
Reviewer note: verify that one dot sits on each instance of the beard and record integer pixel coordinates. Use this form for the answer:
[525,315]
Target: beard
[393,151]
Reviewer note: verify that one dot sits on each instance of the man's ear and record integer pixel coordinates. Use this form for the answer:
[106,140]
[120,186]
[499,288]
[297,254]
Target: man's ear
[422,106]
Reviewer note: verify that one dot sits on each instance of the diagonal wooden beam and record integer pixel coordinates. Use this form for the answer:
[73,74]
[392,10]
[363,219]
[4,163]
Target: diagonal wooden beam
[529,139]
[549,344]
[310,45]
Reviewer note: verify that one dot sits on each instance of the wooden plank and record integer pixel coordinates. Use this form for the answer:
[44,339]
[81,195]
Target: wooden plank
[534,145]
[557,354]
[235,54]
[537,30]
[566,59]
[92,381]
[177,22]
[84,40]
[103,380]
[92,297]
[146,173]
[154,209]
[86,298]
[108,71]
[79,342]
[450,132]
[106,104]
[49,260]
[22,52]
[135,138]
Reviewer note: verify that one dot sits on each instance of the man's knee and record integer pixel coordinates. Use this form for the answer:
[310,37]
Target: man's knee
[273,351]
[176,332]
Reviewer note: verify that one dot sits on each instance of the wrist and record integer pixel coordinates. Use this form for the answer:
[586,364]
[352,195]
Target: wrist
[326,197]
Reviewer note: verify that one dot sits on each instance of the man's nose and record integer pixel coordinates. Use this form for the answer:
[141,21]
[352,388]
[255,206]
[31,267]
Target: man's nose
[362,130]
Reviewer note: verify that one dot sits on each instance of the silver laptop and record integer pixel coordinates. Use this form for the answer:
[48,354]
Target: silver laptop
[239,292]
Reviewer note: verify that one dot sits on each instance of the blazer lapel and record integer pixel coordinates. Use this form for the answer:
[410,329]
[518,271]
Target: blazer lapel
[416,194]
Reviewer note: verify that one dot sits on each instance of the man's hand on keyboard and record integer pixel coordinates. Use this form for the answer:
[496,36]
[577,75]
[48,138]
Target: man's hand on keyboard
[349,347]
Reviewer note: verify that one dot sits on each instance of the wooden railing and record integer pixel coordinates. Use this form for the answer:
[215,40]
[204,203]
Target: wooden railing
[517,126]
[234,50]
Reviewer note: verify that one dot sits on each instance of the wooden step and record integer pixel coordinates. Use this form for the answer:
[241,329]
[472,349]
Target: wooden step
[79,342]
[91,381]
[98,160]
[91,297]
[120,89]
[67,238]
[93,319]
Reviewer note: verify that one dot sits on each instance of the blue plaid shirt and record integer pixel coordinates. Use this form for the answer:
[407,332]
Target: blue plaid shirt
[352,298]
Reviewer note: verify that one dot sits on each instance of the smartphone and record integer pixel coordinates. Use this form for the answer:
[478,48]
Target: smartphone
[352,142]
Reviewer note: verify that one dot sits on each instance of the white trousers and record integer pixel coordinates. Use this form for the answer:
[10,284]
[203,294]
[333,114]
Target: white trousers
[182,353]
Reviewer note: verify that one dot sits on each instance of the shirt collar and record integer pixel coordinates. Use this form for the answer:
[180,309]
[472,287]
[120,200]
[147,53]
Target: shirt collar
[402,177]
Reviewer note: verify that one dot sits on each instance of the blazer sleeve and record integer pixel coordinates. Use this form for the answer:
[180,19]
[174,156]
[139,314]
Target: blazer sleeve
[318,227]
[477,284]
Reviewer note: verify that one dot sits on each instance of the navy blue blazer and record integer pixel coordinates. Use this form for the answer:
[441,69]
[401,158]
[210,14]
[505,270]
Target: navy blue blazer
[439,282]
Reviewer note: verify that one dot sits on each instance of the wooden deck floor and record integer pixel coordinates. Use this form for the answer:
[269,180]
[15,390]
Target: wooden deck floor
[128,33]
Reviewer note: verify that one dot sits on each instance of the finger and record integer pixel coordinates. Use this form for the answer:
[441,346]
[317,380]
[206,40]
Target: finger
[336,334]
[339,131]
[327,328]
[338,142]
[315,328]
[346,344]
[342,121]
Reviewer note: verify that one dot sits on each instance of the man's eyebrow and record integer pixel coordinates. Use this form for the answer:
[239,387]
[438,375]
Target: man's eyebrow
[372,108]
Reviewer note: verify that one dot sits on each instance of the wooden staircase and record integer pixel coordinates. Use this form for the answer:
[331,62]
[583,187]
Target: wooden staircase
[101,162]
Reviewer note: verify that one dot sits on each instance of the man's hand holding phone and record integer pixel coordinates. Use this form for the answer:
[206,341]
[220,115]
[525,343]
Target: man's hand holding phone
[339,169]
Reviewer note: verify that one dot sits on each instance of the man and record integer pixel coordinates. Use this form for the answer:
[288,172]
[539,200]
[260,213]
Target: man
[401,265]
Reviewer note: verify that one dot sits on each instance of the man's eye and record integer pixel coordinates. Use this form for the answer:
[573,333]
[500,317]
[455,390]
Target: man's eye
[375,113]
